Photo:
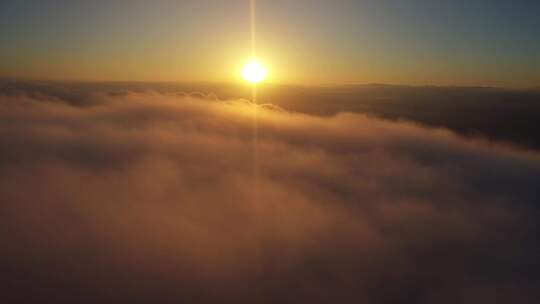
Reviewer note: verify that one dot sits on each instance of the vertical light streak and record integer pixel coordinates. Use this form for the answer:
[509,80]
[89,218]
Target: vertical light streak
[268,261]
[255,107]
[253,16]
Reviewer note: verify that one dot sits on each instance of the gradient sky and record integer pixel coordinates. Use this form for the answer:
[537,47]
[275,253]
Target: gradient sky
[454,42]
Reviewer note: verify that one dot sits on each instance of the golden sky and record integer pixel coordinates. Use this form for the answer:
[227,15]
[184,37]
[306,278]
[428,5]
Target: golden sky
[300,42]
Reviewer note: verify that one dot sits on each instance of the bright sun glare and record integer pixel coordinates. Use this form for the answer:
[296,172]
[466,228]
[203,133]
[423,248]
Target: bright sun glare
[254,72]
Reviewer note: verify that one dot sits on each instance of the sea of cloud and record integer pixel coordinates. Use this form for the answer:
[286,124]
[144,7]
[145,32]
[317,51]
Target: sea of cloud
[139,197]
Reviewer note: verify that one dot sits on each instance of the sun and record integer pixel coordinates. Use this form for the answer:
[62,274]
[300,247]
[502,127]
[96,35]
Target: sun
[254,72]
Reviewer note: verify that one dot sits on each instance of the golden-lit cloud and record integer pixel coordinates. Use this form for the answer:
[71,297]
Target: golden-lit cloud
[151,196]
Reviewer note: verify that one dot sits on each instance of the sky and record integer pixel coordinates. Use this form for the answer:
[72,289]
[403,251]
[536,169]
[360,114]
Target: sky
[307,42]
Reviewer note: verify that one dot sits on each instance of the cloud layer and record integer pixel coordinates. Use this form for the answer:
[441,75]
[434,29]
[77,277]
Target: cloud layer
[140,197]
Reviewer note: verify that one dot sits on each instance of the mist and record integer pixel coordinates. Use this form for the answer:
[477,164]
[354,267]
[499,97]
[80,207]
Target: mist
[139,196]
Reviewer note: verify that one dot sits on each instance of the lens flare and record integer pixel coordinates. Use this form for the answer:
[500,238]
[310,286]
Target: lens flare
[254,72]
